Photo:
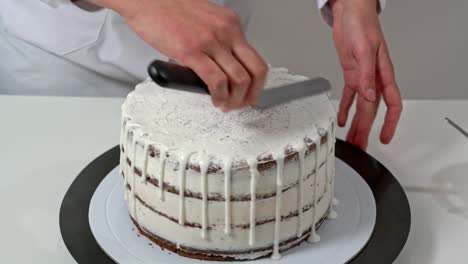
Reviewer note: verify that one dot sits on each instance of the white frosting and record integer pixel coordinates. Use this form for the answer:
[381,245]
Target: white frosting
[179,124]
[204,162]
[132,172]
[333,214]
[173,117]
[314,238]
[227,193]
[145,162]
[279,194]
[300,193]
[182,171]
[239,238]
[172,231]
[253,194]
[162,166]
[127,129]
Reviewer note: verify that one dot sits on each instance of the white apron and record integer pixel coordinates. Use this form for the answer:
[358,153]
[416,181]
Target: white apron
[59,48]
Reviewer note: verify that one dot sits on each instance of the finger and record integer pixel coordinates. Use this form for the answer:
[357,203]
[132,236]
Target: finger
[391,95]
[390,124]
[345,104]
[211,74]
[353,129]
[367,111]
[238,76]
[256,67]
[366,58]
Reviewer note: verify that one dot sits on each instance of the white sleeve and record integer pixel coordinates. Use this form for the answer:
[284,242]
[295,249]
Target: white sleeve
[55,3]
[328,15]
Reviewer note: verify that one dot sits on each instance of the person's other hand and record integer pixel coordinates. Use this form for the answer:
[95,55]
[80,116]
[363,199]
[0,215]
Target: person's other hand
[206,38]
[367,69]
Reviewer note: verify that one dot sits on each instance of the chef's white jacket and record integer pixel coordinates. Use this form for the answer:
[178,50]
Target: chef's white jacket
[56,47]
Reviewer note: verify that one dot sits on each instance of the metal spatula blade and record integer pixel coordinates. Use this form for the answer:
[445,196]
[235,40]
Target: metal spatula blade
[174,76]
[294,91]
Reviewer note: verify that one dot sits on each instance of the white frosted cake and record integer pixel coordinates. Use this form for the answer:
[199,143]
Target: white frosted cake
[227,186]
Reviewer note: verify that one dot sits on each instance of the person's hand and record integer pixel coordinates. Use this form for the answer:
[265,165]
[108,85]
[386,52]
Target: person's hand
[206,38]
[367,69]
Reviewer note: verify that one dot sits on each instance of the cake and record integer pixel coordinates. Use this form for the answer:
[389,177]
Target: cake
[227,186]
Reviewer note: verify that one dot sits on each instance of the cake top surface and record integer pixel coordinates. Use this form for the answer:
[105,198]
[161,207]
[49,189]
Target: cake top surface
[187,122]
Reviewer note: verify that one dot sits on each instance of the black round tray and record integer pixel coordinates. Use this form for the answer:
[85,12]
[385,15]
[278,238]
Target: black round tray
[388,238]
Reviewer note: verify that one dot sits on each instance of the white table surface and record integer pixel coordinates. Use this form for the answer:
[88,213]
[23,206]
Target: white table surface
[46,141]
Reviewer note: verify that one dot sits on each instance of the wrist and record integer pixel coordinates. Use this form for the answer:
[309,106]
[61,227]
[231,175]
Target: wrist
[126,8]
[363,5]
[332,3]
[336,6]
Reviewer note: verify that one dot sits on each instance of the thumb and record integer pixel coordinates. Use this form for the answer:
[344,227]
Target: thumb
[367,63]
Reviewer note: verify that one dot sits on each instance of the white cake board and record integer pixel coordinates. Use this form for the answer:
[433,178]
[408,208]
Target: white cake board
[341,238]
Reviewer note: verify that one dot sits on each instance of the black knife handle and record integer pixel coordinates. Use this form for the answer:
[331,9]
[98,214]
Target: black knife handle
[172,75]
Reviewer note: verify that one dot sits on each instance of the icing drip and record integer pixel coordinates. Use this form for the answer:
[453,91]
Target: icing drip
[333,214]
[253,187]
[133,188]
[122,142]
[300,195]
[162,171]
[327,175]
[227,195]
[204,162]
[335,201]
[145,162]
[127,149]
[124,145]
[182,170]
[279,190]
[313,237]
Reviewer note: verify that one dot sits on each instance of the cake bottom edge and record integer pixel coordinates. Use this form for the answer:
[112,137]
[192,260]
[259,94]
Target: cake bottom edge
[212,255]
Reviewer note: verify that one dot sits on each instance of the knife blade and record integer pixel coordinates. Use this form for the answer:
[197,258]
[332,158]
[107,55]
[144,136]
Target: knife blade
[174,76]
